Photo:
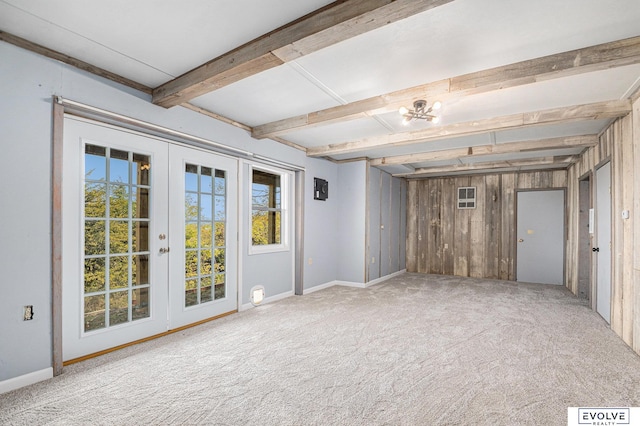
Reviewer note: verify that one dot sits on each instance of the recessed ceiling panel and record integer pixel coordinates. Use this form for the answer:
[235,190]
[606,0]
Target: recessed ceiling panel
[39,31]
[338,132]
[171,37]
[466,36]
[272,95]
[589,127]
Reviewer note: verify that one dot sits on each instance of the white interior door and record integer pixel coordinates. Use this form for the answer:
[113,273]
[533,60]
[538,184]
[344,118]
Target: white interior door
[203,229]
[540,232]
[602,247]
[143,251]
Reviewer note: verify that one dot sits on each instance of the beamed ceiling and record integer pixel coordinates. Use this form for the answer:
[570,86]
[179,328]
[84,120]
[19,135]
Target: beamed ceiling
[524,85]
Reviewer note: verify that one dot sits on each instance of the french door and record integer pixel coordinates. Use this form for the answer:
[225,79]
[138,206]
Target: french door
[148,241]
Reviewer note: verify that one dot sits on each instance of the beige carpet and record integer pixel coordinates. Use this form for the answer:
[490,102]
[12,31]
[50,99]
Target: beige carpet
[414,350]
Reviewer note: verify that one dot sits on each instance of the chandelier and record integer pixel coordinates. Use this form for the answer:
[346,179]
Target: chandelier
[420,112]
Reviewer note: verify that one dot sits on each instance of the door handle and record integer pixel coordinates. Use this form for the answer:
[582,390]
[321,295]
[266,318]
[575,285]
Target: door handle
[595,249]
[164,250]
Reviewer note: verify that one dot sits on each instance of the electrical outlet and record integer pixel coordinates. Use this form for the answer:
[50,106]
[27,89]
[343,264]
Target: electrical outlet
[310,261]
[28,312]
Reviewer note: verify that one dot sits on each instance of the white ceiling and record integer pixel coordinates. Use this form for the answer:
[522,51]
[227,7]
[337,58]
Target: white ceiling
[152,42]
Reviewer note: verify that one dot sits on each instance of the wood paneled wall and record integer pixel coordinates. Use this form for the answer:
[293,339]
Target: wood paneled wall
[617,146]
[480,242]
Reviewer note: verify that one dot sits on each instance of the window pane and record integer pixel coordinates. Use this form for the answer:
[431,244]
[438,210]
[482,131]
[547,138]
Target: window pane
[220,260]
[140,203]
[140,169]
[220,235]
[191,178]
[191,292]
[219,288]
[191,235]
[191,207]
[264,189]
[205,262]
[119,201]
[140,269]
[95,162]
[118,307]
[205,235]
[266,199]
[191,263]
[95,200]
[140,236]
[119,166]
[118,236]
[220,182]
[140,304]
[94,237]
[118,272]
[94,312]
[206,180]
[220,208]
[94,275]
[206,295]
[206,205]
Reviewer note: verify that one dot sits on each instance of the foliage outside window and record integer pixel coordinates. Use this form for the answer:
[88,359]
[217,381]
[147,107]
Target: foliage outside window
[266,208]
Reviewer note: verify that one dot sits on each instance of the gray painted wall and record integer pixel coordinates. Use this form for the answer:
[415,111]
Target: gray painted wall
[352,208]
[386,239]
[27,85]
[373,236]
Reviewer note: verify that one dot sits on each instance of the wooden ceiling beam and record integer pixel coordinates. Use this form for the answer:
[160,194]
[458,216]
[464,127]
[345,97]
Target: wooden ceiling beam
[603,56]
[560,161]
[329,25]
[481,150]
[595,111]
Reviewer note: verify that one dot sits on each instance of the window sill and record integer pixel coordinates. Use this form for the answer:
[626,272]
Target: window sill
[266,249]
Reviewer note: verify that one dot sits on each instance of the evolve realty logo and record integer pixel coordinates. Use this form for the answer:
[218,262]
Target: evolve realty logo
[604,416]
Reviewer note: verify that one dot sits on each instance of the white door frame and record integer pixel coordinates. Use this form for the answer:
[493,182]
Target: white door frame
[602,247]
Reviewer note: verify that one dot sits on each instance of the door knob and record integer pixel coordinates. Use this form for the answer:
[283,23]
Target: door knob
[596,249]
[164,250]
[521,240]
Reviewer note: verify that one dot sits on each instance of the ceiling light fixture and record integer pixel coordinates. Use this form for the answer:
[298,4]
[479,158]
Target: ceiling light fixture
[420,112]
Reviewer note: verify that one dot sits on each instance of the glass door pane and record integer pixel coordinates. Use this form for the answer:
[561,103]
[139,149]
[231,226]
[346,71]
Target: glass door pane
[205,213]
[116,238]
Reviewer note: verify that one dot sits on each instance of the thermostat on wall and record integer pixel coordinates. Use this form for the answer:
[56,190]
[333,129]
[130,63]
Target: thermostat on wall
[320,189]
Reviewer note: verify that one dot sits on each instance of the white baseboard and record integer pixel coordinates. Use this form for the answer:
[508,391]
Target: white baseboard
[352,283]
[26,380]
[266,300]
[319,287]
[385,278]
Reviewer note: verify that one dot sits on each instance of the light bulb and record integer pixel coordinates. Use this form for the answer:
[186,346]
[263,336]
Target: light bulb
[406,121]
[403,110]
[435,120]
[437,105]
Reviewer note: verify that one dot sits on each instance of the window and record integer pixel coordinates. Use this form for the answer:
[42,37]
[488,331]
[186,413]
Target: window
[268,215]
[467,197]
